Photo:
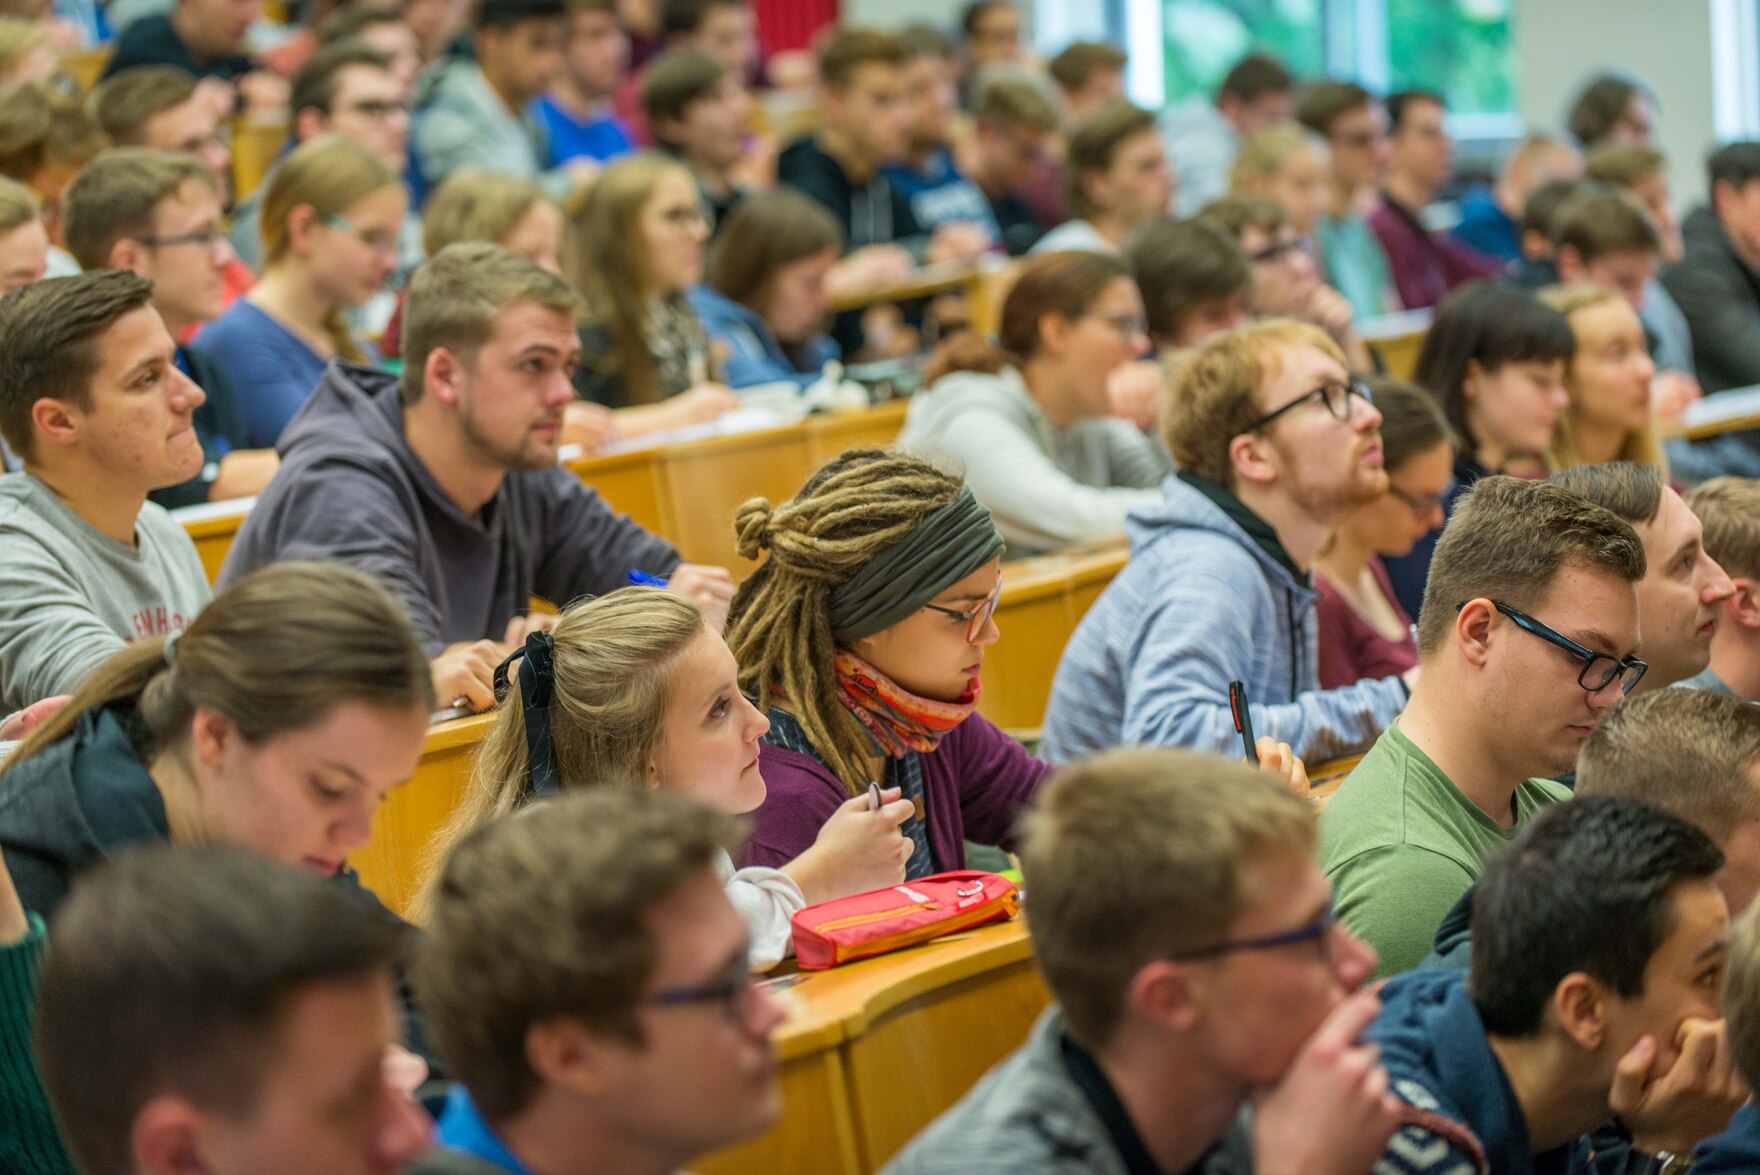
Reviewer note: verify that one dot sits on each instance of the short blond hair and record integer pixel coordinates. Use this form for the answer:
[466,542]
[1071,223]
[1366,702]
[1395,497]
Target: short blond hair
[1266,153]
[1214,396]
[18,39]
[1741,995]
[18,205]
[1144,854]
[475,205]
[1642,446]
[1729,508]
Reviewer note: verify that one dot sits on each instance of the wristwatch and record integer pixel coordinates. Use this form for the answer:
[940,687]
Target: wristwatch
[1670,1163]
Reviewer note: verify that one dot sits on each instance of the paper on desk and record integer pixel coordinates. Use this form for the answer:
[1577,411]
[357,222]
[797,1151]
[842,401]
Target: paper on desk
[226,508]
[1720,406]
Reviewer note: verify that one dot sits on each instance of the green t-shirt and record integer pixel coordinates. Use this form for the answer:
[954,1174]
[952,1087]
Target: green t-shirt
[1400,844]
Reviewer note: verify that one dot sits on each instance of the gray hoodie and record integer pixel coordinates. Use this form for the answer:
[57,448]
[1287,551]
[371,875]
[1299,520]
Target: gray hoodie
[1046,487]
[351,489]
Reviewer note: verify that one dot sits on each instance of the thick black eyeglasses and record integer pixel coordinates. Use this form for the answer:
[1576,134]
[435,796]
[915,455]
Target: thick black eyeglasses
[1319,930]
[733,991]
[975,619]
[1336,395]
[1599,669]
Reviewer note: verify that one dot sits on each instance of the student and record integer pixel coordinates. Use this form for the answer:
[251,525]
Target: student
[1490,216]
[725,31]
[1527,633]
[576,113]
[331,221]
[1286,275]
[444,484]
[633,689]
[277,722]
[1682,591]
[1715,282]
[162,107]
[1354,126]
[1640,173]
[478,109]
[1606,239]
[1016,129]
[1420,162]
[764,302]
[99,415]
[1613,110]
[1729,510]
[1737,1149]
[698,112]
[382,28]
[24,242]
[158,215]
[205,1010]
[864,629]
[45,138]
[1609,379]
[992,36]
[1176,916]
[27,54]
[586,978]
[1194,278]
[31,1140]
[1494,358]
[1118,179]
[1204,135]
[203,38]
[928,176]
[349,90]
[1286,163]
[1363,631]
[438,25]
[1089,77]
[1028,423]
[1561,1025]
[639,247]
[1276,444]
[1542,216]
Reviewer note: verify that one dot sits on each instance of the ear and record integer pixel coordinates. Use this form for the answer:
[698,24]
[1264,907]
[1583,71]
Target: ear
[211,735]
[1054,332]
[563,1053]
[300,223]
[1743,607]
[128,253]
[1470,381]
[1171,995]
[1580,1004]
[55,422]
[443,377]
[1569,262]
[166,1138]
[1472,631]
[1252,457]
[308,124]
[1096,188]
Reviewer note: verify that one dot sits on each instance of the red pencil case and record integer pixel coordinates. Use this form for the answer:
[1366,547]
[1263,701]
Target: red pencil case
[873,923]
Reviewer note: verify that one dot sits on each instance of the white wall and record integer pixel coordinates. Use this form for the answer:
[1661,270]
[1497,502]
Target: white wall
[1560,43]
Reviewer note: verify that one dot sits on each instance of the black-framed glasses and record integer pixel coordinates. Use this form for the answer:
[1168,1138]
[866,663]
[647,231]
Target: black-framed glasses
[1422,505]
[1278,250]
[378,111]
[1335,394]
[975,618]
[1599,670]
[1318,931]
[733,990]
[207,238]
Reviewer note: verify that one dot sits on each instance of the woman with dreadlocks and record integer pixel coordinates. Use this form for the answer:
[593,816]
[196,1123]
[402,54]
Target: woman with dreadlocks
[861,636]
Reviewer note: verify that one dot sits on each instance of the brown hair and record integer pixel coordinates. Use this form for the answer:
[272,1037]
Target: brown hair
[766,232]
[125,103]
[1729,509]
[18,205]
[1064,283]
[1687,751]
[456,296]
[544,915]
[1508,539]
[115,197]
[353,21]
[1741,994]
[39,127]
[1623,167]
[1411,421]
[1182,266]
[1081,60]
[1016,103]
[1253,77]
[1327,101]
[1643,446]
[472,205]
[1600,106]
[1600,223]
[315,85]
[275,652]
[1235,214]
[851,47]
[779,626]
[49,348]
[1093,146]
[18,38]
[675,80]
[1145,854]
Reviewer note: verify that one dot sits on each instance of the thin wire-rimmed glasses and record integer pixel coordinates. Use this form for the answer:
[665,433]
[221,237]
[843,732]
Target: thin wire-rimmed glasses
[977,617]
[1335,394]
[1599,669]
[1318,931]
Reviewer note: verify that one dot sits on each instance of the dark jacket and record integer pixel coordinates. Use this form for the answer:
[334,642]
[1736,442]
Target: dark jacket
[1734,1152]
[351,489]
[876,213]
[152,41]
[218,427]
[1720,297]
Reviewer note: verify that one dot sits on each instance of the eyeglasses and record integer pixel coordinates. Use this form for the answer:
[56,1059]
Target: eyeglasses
[1129,325]
[975,619]
[1335,395]
[1422,505]
[378,111]
[1599,669]
[733,991]
[1278,250]
[1318,931]
[207,238]
[377,240]
[690,217]
[1358,141]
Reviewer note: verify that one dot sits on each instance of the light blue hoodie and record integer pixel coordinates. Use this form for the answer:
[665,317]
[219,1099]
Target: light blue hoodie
[754,356]
[1201,604]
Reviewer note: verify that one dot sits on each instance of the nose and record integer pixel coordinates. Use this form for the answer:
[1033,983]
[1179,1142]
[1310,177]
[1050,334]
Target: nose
[764,1013]
[560,390]
[1353,960]
[759,724]
[354,829]
[1718,586]
[990,633]
[404,1134]
[188,394]
[1365,416]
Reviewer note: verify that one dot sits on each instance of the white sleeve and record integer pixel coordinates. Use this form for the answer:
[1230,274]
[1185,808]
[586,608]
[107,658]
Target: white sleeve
[766,899]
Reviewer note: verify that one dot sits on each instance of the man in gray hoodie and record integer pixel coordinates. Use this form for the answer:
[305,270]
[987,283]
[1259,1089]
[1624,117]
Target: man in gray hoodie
[1276,443]
[445,484]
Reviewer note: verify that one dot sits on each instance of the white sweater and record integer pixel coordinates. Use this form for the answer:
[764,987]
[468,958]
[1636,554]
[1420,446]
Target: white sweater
[766,899]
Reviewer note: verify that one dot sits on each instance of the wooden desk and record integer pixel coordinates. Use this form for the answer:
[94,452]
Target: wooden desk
[984,282]
[213,539]
[1043,599]
[872,1052]
[255,147]
[86,66]
[1397,338]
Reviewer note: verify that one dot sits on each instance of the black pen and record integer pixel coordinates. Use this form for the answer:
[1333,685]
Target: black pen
[1243,720]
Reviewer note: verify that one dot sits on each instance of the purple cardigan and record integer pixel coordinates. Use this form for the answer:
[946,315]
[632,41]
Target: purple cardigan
[975,785]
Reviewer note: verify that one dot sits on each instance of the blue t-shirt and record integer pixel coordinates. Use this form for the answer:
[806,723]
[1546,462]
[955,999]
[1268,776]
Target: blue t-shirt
[1486,227]
[271,367]
[462,1128]
[940,195]
[604,138]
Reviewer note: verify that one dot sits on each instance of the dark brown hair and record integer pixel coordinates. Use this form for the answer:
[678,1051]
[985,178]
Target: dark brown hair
[1629,490]
[1016,103]
[116,195]
[1254,76]
[851,47]
[1080,61]
[1235,214]
[315,85]
[1181,265]
[1604,223]
[1601,105]
[675,80]
[1326,101]
[766,232]
[1411,421]
[39,125]
[124,103]
[1066,283]
[1094,145]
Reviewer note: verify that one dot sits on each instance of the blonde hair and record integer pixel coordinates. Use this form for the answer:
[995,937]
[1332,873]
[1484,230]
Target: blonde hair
[18,39]
[779,626]
[1213,398]
[1741,995]
[1266,153]
[1642,446]
[329,175]
[18,205]
[476,205]
[1729,508]
[613,658]
[607,261]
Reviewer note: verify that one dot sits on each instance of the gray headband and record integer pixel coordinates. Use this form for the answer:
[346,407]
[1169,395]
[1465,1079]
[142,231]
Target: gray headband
[950,544]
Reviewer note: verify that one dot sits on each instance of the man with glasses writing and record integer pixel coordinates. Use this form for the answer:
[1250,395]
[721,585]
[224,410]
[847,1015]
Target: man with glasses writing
[1276,444]
[1528,631]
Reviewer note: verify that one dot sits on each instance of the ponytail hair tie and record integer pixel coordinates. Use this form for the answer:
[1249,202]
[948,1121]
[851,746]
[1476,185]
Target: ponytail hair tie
[170,651]
[537,685]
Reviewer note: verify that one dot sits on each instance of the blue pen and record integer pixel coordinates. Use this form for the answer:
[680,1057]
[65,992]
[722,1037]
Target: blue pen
[643,579]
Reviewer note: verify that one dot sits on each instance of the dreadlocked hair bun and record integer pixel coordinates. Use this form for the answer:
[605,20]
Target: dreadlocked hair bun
[751,528]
